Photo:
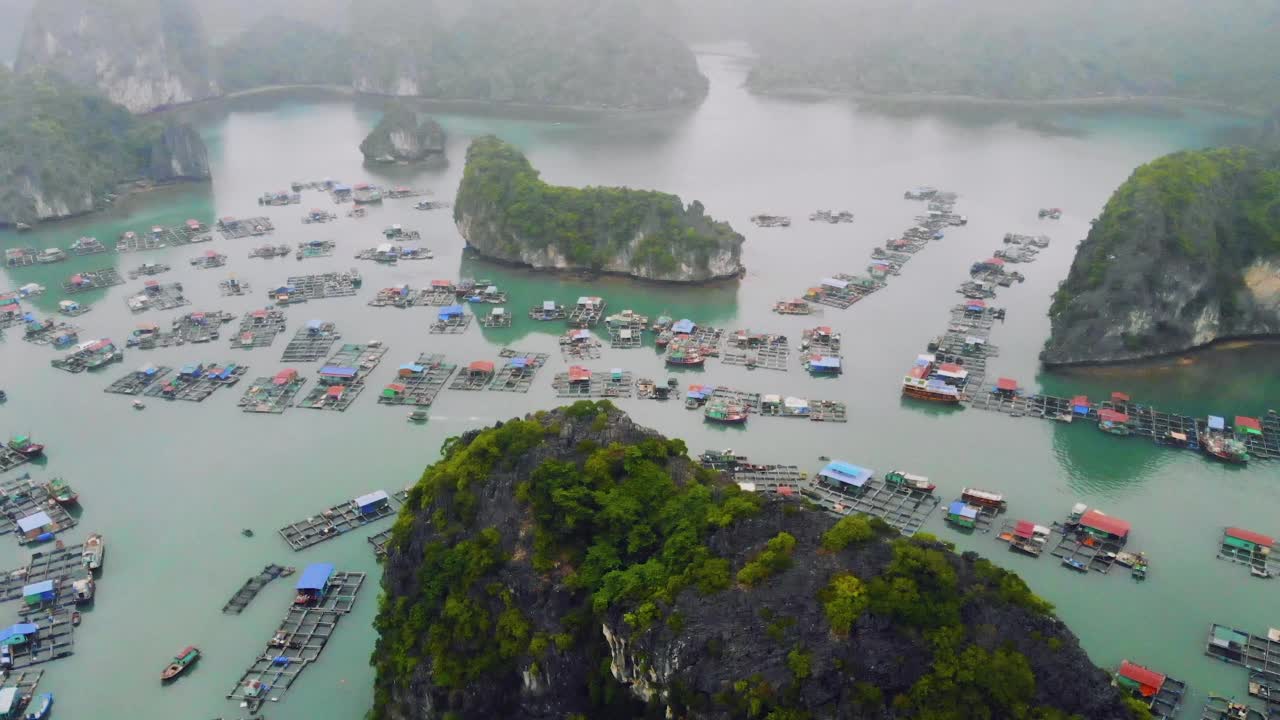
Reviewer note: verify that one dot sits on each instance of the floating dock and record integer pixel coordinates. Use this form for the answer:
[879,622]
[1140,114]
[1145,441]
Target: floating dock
[155,296]
[234,229]
[297,643]
[401,296]
[342,376]
[1252,549]
[10,458]
[26,681]
[258,328]
[92,280]
[272,395]
[517,370]
[583,383]
[771,355]
[1257,653]
[496,318]
[301,288]
[905,509]
[811,410]
[339,519]
[232,287]
[148,269]
[190,233]
[475,376]
[47,332]
[419,382]
[53,639]
[450,323]
[61,565]
[315,249]
[90,355]
[137,381]
[379,542]
[268,252]
[197,381]
[247,592]
[312,342]
[579,345]
[209,260]
[195,327]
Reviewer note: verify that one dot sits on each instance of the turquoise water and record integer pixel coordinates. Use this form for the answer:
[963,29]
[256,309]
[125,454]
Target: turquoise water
[172,486]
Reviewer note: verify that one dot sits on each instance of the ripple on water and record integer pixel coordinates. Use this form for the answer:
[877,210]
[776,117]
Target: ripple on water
[1097,464]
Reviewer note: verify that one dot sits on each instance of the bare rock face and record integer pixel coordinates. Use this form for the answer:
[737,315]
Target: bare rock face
[1186,252]
[142,54]
[404,136]
[178,154]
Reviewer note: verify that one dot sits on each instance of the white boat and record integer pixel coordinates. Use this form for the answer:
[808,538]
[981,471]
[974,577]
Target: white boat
[94,550]
[83,589]
[139,405]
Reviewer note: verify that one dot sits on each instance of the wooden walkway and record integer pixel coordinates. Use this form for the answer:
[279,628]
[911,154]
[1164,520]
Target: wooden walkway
[54,639]
[329,524]
[194,388]
[60,565]
[905,510]
[518,370]
[309,345]
[135,382]
[247,592]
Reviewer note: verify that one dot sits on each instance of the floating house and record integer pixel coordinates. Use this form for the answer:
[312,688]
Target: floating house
[1007,387]
[1113,422]
[1104,527]
[409,370]
[844,476]
[394,391]
[1028,537]
[579,374]
[962,514]
[371,503]
[450,312]
[38,593]
[10,705]
[683,327]
[1248,426]
[313,583]
[36,525]
[284,377]
[1139,680]
[824,365]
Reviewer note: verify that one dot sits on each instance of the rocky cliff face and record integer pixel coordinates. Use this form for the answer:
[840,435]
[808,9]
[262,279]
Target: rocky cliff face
[506,213]
[540,52]
[143,54]
[1186,252]
[573,564]
[62,149]
[402,135]
[178,153]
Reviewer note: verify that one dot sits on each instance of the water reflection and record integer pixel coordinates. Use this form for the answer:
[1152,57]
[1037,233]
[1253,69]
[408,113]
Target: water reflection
[1099,464]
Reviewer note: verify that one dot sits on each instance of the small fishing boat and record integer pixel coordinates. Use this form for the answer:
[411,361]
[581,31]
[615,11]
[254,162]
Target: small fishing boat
[3,396]
[60,491]
[139,405]
[40,706]
[1258,572]
[94,551]
[418,416]
[180,663]
[908,481]
[1226,449]
[725,413]
[683,357]
[23,444]
[75,617]
[247,532]
[1075,564]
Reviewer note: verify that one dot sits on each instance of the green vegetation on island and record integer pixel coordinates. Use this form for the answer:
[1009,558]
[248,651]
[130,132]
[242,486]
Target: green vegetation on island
[62,150]
[1033,50]
[506,212]
[284,51]
[573,564]
[537,52]
[403,135]
[1186,251]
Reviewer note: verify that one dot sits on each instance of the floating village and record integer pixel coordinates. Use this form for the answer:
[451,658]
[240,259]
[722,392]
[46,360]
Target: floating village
[283,360]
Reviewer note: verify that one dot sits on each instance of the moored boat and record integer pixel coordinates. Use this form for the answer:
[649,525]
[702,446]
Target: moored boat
[94,551]
[180,663]
[684,357]
[40,706]
[726,413]
[418,416]
[934,381]
[24,445]
[983,498]
[908,481]
[1075,564]
[60,491]
[1226,449]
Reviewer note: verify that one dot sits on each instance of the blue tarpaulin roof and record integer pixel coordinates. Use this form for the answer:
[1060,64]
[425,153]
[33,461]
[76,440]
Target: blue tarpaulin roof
[1217,423]
[336,371]
[412,367]
[18,629]
[548,304]
[683,326]
[315,576]
[963,510]
[825,362]
[519,362]
[372,499]
[39,588]
[846,473]
[450,311]
[35,521]
[339,187]
[314,324]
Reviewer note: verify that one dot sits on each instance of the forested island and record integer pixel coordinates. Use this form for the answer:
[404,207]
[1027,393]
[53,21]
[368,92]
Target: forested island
[1186,252]
[572,564]
[1039,50]
[64,150]
[404,135]
[149,54]
[506,212]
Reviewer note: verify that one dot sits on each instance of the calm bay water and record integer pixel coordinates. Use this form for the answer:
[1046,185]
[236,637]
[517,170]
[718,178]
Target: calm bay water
[171,487]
